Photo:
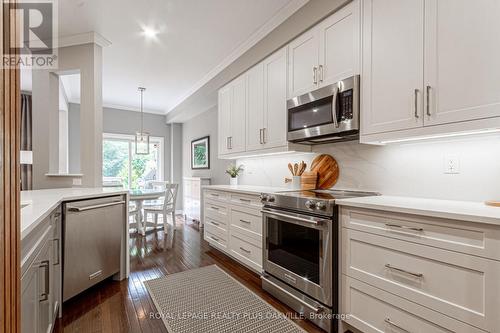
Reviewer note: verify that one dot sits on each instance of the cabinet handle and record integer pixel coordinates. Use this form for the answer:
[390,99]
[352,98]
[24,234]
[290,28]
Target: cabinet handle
[46,290]
[247,222]
[390,322]
[214,238]
[230,142]
[214,208]
[56,241]
[245,250]
[214,194]
[428,90]
[260,136]
[315,74]
[264,135]
[214,223]
[245,200]
[389,266]
[320,73]
[416,103]
[390,225]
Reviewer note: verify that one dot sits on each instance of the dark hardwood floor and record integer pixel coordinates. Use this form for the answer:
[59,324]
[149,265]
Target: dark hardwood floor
[125,306]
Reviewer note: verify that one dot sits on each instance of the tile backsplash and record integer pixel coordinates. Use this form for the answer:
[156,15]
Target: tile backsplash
[409,169]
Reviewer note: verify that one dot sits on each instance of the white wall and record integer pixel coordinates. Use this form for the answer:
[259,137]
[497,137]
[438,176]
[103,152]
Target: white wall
[198,127]
[411,169]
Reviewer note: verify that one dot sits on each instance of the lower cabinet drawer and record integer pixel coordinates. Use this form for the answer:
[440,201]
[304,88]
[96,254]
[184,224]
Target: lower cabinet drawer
[461,286]
[246,252]
[218,241]
[249,224]
[216,228]
[372,310]
[216,211]
[247,200]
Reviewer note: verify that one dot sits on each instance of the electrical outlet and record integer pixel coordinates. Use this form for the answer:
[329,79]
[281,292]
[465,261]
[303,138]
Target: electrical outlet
[77,182]
[451,164]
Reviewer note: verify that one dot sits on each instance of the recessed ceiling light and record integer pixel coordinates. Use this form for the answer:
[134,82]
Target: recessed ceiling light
[149,32]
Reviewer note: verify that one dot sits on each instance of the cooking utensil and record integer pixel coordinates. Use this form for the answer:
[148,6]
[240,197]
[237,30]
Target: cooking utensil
[328,171]
[493,203]
[290,168]
[302,168]
[295,169]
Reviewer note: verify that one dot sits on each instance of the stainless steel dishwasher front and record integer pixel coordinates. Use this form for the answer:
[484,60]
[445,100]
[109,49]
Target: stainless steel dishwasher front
[92,242]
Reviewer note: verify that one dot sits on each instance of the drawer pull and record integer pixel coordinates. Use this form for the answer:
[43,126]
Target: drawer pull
[389,266]
[214,223]
[214,238]
[214,208]
[403,227]
[244,221]
[390,322]
[245,250]
[245,200]
[214,194]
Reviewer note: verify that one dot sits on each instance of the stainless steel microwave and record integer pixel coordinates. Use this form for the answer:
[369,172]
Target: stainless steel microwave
[325,115]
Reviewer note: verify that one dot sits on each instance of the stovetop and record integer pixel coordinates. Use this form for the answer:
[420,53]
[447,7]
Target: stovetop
[310,201]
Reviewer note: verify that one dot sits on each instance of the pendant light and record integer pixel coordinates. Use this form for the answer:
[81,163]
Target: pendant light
[142,138]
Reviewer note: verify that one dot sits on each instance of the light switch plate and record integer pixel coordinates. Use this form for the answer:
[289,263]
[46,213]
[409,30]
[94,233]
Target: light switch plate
[77,181]
[451,164]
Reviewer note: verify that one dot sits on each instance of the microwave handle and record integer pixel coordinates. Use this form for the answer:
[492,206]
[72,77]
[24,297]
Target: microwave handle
[334,107]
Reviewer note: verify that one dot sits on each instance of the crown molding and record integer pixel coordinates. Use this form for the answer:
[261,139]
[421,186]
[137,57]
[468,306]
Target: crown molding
[284,13]
[90,37]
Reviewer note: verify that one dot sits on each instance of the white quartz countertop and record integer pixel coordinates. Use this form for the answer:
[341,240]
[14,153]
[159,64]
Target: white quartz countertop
[449,209]
[40,203]
[248,189]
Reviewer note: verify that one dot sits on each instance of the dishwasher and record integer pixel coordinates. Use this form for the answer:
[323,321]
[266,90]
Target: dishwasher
[93,232]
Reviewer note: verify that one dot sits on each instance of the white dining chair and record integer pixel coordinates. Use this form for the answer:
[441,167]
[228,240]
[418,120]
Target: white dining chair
[133,212]
[155,185]
[164,209]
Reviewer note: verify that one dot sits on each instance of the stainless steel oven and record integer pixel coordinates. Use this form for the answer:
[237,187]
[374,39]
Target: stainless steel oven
[325,115]
[298,251]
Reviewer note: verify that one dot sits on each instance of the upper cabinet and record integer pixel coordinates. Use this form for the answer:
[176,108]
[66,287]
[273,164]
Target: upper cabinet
[327,53]
[232,111]
[429,68]
[393,66]
[462,60]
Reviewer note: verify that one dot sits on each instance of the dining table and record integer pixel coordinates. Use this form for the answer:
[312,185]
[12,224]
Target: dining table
[140,195]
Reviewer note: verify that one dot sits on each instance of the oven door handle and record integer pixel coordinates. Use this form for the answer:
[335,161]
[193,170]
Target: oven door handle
[295,217]
[314,309]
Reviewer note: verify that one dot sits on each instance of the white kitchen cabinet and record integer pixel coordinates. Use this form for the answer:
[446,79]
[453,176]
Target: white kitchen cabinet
[462,67]
[392,76]
[275,111]
[56,285]
[401,264]
[339,45]
[192,196]
[303,60]
[232,111]
[224,118]
[37,297]
[325,54]
[430,68]
[255,108]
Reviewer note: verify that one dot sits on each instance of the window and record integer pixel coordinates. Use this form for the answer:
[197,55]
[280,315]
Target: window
[121,166]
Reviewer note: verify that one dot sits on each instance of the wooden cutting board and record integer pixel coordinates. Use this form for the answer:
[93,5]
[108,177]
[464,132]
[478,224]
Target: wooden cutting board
[327,169]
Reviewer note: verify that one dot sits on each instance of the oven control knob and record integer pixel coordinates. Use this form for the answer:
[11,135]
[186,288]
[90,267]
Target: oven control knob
[310,204]
[264,197]
[321,205]
[270,198]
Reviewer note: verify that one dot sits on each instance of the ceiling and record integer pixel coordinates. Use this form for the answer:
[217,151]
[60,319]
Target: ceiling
[196,40]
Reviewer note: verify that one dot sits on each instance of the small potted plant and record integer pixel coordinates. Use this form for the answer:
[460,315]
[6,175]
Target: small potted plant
[233,171]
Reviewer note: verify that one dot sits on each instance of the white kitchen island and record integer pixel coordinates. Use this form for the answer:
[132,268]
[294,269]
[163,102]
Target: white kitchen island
[43,245]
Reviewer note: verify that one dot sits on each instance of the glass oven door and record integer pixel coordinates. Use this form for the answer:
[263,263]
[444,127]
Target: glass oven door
[298,251]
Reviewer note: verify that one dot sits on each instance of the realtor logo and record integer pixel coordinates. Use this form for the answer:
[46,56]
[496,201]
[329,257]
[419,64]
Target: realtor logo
[37,35]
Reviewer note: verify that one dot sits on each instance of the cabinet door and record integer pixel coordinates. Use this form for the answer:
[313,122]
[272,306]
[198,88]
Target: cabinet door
[29,300]
[339,45]
[462,59]
[275,111]
[255,110]
[238,114]
[224,114]
[391,94]
[303,64]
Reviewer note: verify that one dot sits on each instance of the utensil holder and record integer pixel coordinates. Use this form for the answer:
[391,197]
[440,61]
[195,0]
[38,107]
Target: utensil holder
[296,182]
